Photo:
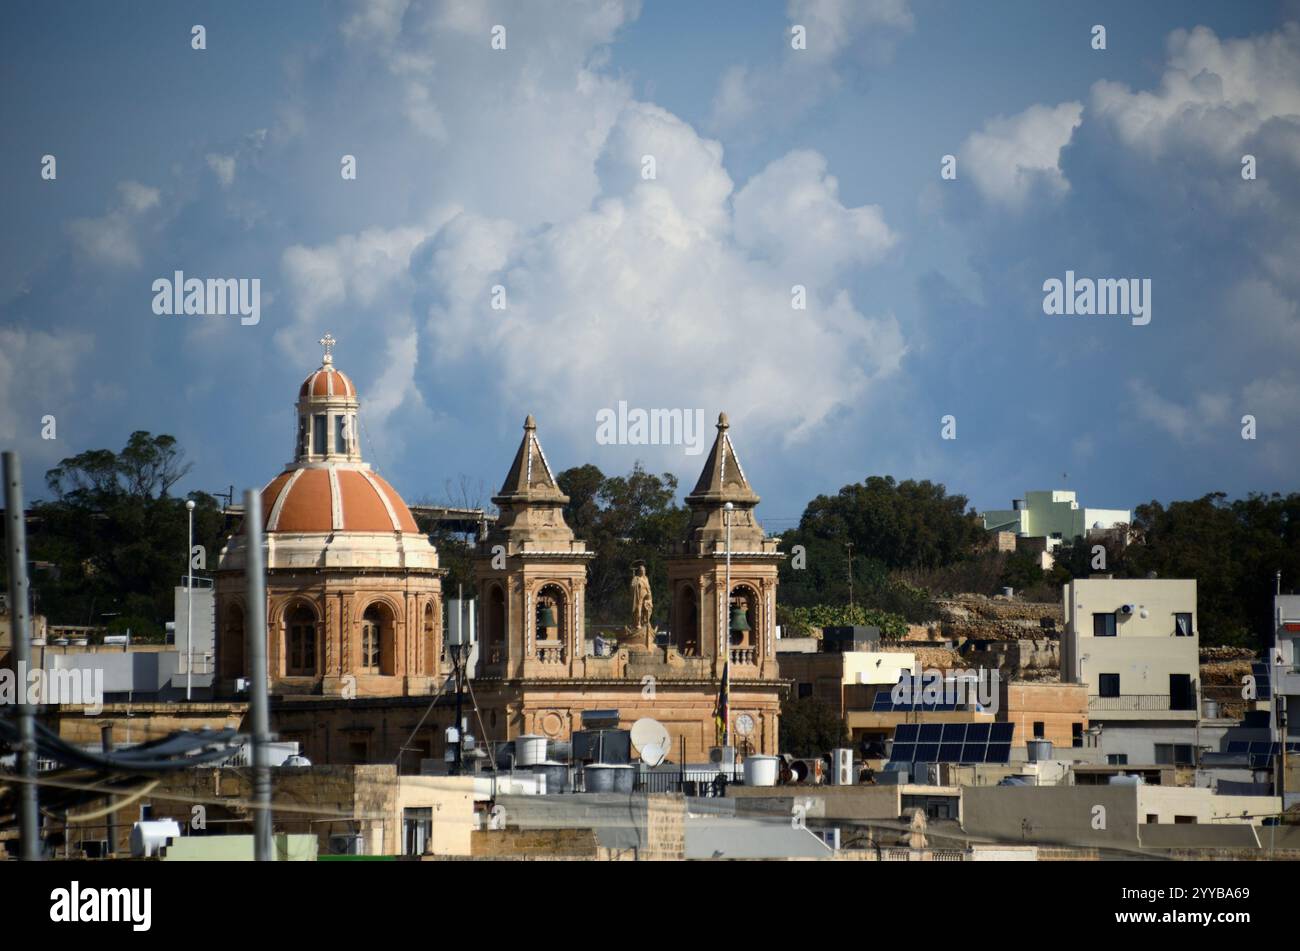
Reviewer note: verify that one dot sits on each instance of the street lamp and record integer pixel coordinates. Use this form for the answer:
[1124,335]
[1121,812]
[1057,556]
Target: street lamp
[726,614]
[189,602]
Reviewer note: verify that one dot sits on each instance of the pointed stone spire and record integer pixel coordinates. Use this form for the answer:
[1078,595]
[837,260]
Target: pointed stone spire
[530,475]
[723,480]
[530,503]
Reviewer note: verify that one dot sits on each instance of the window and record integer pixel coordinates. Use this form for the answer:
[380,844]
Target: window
[372,639]
[417,829]
[1153,818]
[359,750]
[1108,685]
[1076,735]
[1174,754]
[1183,624]
[318,435]
[302,642]
[805,691]
[340,433]
[1103,625]
[1116,759]
[1040,729]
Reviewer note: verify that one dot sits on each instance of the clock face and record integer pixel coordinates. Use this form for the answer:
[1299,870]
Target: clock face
[744,724]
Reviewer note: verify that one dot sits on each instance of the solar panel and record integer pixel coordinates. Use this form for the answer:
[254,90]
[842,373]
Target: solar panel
[902,753]
[906,732]
[952,743]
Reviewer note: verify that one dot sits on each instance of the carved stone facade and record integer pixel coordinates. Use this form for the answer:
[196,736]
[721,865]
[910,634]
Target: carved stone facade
[529,684]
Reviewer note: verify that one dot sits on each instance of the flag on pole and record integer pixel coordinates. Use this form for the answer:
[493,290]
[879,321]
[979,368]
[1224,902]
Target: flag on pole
[722,711]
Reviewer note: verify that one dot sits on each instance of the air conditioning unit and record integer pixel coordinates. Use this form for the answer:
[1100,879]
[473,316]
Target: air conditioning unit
[348,843]
[842,767]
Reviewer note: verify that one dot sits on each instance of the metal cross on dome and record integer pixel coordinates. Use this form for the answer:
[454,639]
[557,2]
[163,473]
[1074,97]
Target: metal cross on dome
[328,342]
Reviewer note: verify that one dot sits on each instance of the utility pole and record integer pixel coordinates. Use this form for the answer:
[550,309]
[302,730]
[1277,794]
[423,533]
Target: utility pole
[21,634]
[456,660]
[189,602]
[255,575]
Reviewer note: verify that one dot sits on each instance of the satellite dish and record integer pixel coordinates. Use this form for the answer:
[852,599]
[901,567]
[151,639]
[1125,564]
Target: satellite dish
[651,739]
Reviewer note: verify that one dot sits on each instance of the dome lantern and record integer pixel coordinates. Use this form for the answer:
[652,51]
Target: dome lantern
[327,414]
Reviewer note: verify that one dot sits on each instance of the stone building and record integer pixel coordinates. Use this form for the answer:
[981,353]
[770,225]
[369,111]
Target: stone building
[536,674]
[354,609]
[354,600]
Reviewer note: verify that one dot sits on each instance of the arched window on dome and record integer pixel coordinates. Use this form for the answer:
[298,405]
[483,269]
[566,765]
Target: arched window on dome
[319,432]
[377,640]
[301,626]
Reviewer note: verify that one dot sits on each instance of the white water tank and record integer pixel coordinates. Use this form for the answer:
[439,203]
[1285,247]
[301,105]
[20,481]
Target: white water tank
[761,770]
[149,835]
[530,749]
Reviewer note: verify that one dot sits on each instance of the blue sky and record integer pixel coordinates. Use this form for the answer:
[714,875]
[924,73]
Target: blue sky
[774,167]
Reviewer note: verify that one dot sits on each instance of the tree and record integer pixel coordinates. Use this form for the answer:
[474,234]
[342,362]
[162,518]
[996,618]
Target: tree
[114,541]
[624,520]
[891,526]
[810,728]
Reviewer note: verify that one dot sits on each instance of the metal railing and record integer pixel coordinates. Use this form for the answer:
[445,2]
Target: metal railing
[691,782]
[1139,702]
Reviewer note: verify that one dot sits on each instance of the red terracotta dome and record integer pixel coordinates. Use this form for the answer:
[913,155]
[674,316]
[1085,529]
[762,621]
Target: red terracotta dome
[327,381]
[334,499]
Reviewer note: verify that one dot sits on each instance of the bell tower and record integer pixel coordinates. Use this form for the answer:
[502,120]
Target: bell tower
[708,621]
[531,575]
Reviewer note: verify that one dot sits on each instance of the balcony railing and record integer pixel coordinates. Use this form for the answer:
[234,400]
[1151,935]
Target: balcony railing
[1138,703]
[747,656]
[551,655]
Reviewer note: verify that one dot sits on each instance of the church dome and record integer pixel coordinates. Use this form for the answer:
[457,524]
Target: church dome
[327,381]
[327,508]
[333,499]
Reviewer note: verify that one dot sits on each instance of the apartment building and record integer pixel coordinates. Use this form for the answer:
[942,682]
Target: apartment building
[1135,643]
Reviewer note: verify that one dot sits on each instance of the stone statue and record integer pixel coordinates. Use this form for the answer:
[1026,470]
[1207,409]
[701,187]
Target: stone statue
[642,606]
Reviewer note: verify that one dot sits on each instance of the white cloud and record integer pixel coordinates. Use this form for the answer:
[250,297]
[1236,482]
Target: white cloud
[791,214]
[1214,96]
[223,166]
[754,97]
[1014,157]
[113,239]
[38,376]
[1193,421]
